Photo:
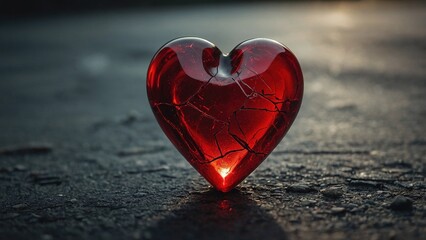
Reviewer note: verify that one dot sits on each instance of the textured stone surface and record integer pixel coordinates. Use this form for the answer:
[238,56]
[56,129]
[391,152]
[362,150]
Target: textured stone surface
[81,156]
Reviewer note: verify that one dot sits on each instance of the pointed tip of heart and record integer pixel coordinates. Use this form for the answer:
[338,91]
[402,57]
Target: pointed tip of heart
[222,182]
[224,187]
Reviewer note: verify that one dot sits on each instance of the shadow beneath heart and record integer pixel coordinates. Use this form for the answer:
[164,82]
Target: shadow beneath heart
[215,215]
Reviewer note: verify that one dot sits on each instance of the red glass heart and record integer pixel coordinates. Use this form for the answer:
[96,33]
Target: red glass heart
[224,113]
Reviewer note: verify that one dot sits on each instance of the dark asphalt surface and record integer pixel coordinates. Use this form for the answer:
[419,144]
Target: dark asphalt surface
[81,156]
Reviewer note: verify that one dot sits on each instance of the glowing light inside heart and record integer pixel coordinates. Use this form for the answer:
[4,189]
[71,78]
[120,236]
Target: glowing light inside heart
[223,172]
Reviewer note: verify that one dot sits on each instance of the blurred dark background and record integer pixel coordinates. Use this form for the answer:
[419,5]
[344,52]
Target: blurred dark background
[22,8]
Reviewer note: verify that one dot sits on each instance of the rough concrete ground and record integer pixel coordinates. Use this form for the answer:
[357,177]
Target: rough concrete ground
[82,157]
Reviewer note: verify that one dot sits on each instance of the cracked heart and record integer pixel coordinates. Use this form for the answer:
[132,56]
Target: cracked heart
[225,113]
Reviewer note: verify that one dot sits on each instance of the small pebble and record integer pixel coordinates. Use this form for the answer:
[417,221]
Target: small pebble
[401,203]
[351,205]
[364,184]
[300,188]
[332,192]
[20,168]
[308,203]
[139,195]
[338,210]
[20,206]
